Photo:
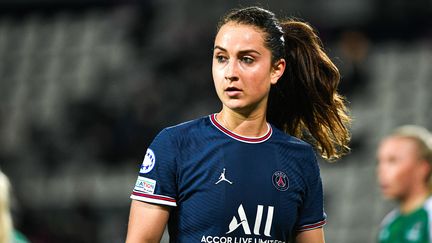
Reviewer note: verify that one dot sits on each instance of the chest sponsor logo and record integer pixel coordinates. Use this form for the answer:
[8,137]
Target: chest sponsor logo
[243,221]
[149,162]
[145,185]
[280,181]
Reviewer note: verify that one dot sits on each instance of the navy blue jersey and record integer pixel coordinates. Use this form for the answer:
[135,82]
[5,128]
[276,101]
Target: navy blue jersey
[224,187]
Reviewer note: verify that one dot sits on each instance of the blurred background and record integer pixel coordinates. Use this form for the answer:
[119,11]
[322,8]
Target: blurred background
[86,85]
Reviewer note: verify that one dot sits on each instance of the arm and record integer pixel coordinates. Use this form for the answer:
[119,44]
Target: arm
[311,236]
[146,222]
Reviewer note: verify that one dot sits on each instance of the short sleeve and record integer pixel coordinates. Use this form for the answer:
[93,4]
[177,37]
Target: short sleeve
[156,182]
[311,214]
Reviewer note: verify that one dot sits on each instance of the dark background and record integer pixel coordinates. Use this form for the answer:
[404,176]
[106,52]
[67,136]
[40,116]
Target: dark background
[86,85]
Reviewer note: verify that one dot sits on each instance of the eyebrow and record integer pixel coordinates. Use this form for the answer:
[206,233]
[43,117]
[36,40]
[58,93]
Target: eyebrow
[240,52]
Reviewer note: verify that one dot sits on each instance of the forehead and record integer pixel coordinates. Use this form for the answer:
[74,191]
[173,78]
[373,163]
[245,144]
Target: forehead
[398,145]
[234,34]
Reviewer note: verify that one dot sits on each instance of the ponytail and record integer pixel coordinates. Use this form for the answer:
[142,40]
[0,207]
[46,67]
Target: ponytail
[304,102]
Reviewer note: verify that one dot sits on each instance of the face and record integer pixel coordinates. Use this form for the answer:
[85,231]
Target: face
[242,68]
[400,168]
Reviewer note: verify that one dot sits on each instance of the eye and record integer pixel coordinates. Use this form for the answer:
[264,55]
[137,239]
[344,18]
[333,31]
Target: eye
[392,160]
[247,60]
[221,59]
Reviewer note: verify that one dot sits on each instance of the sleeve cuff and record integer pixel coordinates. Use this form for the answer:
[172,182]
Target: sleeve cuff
[316,225]
[153,198]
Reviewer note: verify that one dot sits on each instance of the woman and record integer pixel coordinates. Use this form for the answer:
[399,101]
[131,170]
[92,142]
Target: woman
[404,174]
[7,232]
[5,215]
[231,176]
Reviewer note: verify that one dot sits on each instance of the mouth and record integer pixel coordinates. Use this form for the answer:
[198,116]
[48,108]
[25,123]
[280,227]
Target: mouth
[233,91]
[384,187]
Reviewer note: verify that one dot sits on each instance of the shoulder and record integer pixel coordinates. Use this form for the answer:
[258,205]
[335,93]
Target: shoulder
[188,128]
[18,237]
[428,205]
[185,130]
[187,125]
[300,147]
[294,141]
[390,217]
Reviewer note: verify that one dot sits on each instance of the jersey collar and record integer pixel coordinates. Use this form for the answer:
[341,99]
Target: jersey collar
[240,138]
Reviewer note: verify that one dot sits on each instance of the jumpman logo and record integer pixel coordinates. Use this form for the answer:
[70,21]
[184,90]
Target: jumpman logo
[222,178]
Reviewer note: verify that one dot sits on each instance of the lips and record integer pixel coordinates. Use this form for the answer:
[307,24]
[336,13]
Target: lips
[384,186]
[233,91]
[229,89]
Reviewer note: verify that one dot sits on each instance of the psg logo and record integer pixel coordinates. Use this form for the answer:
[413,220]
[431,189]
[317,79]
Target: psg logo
[280,181]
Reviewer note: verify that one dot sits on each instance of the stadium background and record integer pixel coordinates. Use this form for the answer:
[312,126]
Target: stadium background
[85,86]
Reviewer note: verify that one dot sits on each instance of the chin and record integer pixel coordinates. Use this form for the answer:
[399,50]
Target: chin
[235,106]
[387,194]
[391,196]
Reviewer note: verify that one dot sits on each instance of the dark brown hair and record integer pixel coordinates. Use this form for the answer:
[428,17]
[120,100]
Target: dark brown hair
[304,102]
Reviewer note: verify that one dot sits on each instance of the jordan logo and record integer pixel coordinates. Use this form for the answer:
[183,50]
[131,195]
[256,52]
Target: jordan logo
[222,178]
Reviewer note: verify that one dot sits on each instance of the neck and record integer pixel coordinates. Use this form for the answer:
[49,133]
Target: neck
[250,125]
[414,200]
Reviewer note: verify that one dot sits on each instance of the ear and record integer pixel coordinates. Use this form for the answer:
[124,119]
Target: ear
[426,169]
[277,70]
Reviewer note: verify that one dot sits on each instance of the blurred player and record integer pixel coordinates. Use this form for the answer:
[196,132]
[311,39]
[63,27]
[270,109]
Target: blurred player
[5,216]
[7,233]
[404,173]
[243,174]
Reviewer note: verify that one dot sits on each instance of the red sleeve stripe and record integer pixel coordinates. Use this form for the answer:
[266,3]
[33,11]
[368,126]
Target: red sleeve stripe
[152,198]
[312,226]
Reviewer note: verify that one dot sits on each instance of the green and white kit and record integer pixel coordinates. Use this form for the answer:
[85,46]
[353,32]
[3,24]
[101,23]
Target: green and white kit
[414,227]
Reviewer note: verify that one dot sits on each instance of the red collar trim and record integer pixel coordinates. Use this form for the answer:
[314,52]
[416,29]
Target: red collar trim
[240,138]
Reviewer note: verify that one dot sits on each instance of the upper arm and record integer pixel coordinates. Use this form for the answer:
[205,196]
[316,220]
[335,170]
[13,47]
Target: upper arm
[311,213]
[146,222]
[311,236]
[154,192]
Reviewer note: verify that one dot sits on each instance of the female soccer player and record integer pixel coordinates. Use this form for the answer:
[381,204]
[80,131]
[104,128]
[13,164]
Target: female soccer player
[7,231]
[5,215]
[404,173]
[243,174]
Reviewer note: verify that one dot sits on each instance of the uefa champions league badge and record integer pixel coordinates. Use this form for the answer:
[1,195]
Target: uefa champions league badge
[149,162]
[280,181]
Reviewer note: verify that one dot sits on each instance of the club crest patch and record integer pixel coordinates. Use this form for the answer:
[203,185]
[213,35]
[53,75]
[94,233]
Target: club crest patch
[280,181]
[149,162]
[145,185]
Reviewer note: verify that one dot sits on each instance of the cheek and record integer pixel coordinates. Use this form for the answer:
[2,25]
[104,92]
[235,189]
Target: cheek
[259,81]
[400,176]
[390,173]
[216,74]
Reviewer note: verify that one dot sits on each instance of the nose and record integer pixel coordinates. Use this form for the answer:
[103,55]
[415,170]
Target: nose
[231,71]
